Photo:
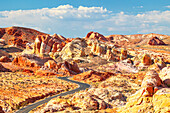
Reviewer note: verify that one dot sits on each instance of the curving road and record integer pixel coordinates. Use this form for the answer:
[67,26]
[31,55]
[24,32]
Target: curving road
[82,86]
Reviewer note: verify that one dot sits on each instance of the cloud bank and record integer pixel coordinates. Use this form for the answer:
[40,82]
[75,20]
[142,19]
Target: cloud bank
[72,22]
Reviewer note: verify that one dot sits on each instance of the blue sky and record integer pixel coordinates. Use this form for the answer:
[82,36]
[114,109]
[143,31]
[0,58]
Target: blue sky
[75,18]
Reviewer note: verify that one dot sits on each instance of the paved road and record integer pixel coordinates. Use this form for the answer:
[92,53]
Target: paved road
[82,86]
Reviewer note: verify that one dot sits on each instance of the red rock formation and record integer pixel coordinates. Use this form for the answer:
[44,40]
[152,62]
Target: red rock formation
[123,55]
[68,68]
[45,40]
[92,76]
[152,97]
[30,61]
[45,73]
[5,59]
[155,41]
[158,64]
[46,44]
[19,36]
[165,75]
[51,64]
[3,69]
[95,35]
[146,60]
[150,83]
[136,39]
[110,55]
[17,42]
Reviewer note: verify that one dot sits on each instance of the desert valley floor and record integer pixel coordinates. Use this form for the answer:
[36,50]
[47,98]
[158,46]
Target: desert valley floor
[126,73]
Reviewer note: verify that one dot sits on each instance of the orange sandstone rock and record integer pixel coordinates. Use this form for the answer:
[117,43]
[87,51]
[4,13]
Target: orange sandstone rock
[161,101]
[109,55]
[30,61]
[146,60]
[123,54]
[151,97]
[46,44]
[165,75]
[68,68]
[50,64]
[3,69]
[92,76]
[155,41]
[5,59]
[150,83]
[95,35]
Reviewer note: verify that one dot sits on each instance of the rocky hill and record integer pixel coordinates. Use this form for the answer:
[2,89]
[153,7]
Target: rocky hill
[19,35]
[125,40]
[136,39]
[127,73]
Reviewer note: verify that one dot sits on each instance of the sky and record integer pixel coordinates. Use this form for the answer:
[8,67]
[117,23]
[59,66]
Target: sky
[75,18]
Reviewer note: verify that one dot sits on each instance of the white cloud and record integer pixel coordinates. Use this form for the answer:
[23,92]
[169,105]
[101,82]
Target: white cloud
[72,22]
[168,6]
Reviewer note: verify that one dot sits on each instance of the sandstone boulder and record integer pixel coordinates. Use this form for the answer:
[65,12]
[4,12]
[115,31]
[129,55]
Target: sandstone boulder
[123,54]
[85,101]
[95,36]
[159,61]
[165,75]
[146,60]
[74,49]
[149,87]
[51,64]
[155,41]
[151,82]
[92,76]
[151,97]
[158,64]
[68,68]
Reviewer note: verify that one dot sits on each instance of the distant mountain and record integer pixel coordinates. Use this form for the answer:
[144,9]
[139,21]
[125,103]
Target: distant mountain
[136,39]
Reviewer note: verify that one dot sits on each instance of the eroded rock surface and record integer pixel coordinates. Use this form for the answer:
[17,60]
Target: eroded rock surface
[146,98]
[155,41]
[74,49]
[165,75]
[3,69]
[46,44]
[92,76]
[29,60]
